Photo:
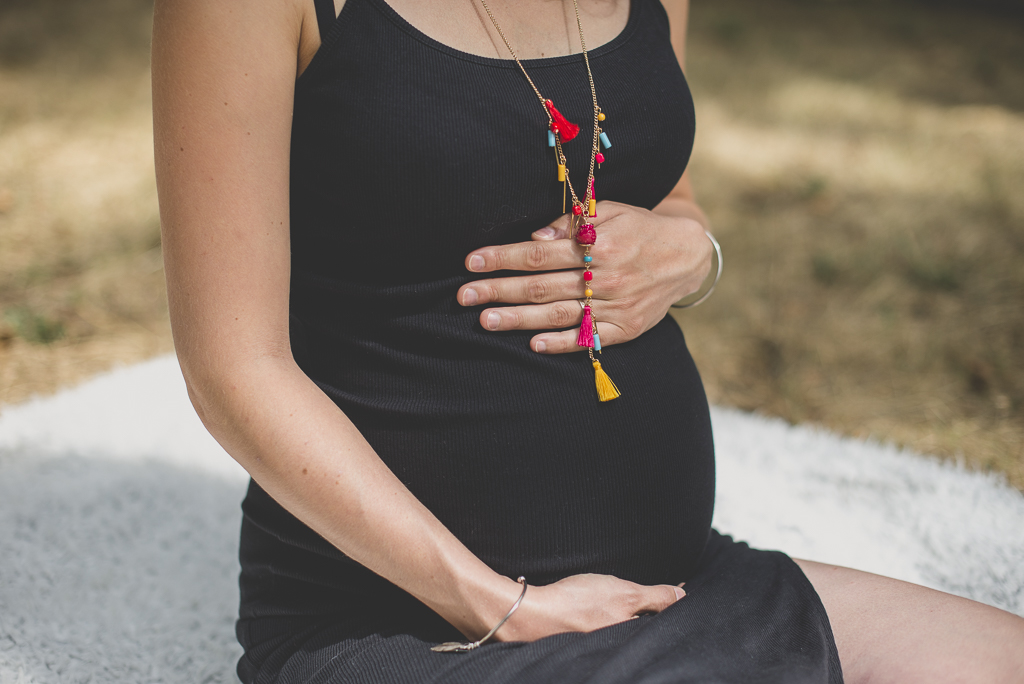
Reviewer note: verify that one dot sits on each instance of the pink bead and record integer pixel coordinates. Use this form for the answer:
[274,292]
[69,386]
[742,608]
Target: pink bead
[599,158]
[588,276]
[586,235]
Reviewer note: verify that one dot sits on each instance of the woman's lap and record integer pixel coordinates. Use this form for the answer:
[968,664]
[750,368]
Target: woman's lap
[887,630]
[749,616]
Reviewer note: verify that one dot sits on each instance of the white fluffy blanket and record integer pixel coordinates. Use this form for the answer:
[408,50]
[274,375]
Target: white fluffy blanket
[119,521]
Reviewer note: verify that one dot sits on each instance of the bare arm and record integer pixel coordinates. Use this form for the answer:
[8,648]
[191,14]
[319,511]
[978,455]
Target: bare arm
[223,88]
[681,202]
[223,79]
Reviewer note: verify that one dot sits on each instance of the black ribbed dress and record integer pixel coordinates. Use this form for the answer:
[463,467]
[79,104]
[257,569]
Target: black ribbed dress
[408,154]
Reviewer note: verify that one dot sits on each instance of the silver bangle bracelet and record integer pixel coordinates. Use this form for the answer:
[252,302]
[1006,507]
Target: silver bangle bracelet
[459,647]
[718,252]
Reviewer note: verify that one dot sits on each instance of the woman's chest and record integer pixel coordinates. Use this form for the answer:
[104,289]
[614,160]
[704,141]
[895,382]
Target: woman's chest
[408,148]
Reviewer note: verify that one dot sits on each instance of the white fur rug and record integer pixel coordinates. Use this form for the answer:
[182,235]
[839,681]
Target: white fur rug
[119,520]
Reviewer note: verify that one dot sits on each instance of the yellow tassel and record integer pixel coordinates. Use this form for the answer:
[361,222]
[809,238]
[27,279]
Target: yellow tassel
[606,389]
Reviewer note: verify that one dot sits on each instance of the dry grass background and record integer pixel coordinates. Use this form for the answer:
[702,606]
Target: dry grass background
[81,285]
[863,163]
[864,166]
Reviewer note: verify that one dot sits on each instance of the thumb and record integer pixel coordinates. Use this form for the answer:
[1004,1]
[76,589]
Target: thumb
[556,230]
[660,597]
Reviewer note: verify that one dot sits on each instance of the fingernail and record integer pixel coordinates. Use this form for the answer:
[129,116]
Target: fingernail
[545,232]
[679,593]
[469,297]
[476,262]
[493,320]
[541,345]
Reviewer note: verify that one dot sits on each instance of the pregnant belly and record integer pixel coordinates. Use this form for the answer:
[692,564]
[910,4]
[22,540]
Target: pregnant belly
[512,451]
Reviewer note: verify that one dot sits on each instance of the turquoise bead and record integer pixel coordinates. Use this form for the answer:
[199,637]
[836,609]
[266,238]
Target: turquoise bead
[588,258]
[551,139]
[605,141]
[597,342]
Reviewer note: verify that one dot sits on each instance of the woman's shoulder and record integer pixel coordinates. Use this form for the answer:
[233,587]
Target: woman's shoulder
[209,33]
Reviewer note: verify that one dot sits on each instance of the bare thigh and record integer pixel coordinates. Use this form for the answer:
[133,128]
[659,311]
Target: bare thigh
[892,631]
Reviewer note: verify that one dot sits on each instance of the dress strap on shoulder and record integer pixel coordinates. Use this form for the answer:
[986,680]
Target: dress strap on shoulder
[325,16]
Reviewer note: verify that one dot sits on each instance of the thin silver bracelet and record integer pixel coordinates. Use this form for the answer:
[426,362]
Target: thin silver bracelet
[718,251]
[459,647]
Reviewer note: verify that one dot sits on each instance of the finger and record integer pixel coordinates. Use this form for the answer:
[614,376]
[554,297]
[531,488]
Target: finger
[546,255]
[533,317]
[556,230]
[557,343]
[659,597]
[565,341]
[533,289]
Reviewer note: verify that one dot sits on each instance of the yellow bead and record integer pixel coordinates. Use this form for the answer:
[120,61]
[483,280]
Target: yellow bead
[561,173]
[600,116]
[593,207]
[588,293]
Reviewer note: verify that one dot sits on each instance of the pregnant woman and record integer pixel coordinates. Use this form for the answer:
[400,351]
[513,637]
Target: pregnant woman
[419,258]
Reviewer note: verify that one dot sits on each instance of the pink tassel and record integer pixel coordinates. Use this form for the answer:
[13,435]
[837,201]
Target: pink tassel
[586,338]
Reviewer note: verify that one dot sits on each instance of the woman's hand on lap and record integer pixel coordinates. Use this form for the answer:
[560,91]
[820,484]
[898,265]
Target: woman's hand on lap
[643,263]
[582,603]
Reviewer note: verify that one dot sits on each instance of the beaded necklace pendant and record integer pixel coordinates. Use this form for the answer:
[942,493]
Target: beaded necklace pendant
[583,231]
[560,130]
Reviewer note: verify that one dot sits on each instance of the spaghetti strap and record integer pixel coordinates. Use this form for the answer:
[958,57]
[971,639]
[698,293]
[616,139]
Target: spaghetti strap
[325,16]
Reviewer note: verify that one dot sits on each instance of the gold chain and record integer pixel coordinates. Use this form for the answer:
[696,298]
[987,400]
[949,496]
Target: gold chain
[606,389]
[593,94]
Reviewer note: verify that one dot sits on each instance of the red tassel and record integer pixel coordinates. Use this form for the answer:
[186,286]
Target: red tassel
[586,338]
[566,129]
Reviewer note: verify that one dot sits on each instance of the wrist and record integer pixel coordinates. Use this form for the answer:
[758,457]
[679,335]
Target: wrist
[714,249]
[485,598]
[495,605]
[696,249]
[680,207]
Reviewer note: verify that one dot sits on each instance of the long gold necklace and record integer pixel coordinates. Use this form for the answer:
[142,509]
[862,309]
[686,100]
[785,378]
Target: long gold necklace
[559,131]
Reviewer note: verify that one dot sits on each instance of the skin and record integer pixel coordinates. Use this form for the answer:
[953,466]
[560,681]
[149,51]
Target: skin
[223,85]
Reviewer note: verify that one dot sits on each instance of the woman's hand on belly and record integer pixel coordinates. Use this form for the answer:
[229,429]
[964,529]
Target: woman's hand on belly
[644,261]
[583,603]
